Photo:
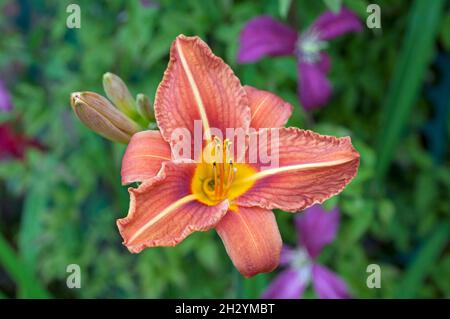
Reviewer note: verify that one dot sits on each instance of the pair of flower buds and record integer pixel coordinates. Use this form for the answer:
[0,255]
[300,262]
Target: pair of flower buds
[116,121]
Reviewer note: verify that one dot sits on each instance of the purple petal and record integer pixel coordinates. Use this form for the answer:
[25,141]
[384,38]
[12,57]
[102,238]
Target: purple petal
[314,88]
[317,228]
[287,255]
[263,36]
[289,284]
[324,63]
[331,25]
[149,4]
[5,98]
[327,284]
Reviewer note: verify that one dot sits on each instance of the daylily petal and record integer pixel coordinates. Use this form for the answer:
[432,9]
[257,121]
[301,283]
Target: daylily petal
[263,36]
[268,110]
[327,284]
[143,157]
[317,228]
[198,85]
[311,168]
[331,25]
[163,211]
[252,239]
[314,89]
[289,284]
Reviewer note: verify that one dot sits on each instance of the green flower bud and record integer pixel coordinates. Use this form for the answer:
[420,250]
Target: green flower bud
[145,107]
[117,91]
[97,113]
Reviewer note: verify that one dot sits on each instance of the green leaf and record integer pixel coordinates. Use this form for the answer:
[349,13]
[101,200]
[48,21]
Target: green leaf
[27,284]
[358,6]
[422,264]
[238,284]
[255,286]
[413,61]
[283,7]
[362,212]
[333,5]
[30,228]
[34,208]
[445,31]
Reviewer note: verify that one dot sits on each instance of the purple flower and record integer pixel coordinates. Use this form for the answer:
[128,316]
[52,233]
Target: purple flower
[5,98]
[149,4]
[14,144]
[316,228]
[264,36]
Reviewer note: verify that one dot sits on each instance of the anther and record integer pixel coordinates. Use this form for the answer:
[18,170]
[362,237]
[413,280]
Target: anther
[227,144]
[230,177]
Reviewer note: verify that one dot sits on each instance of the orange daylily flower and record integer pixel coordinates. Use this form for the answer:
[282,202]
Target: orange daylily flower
[236,197]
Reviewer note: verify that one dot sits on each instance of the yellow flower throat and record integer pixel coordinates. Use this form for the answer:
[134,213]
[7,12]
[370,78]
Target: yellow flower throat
[218,176]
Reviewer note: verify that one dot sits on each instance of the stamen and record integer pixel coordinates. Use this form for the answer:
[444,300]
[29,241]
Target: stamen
[216,181]
[227,148]
[310,45]
[222,172]
[231,174]
[223,176]
[217,153]
[218,149]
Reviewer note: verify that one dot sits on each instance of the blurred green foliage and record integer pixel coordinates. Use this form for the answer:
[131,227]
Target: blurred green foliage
[59,206]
